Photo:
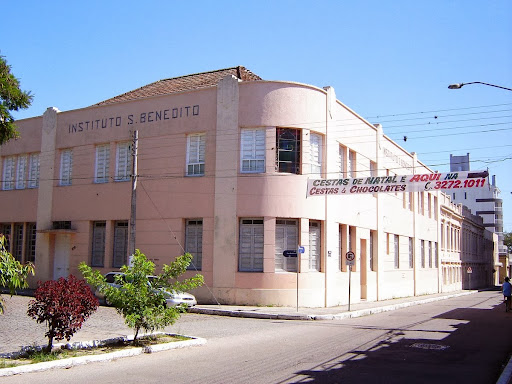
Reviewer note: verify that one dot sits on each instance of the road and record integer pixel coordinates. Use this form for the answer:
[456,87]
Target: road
[465,339]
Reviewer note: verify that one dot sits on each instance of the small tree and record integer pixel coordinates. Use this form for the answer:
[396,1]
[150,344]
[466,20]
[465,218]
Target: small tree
[139,301]
[13,274]
[12,98]
[64,305]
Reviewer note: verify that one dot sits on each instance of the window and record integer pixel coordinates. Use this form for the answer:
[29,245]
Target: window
[286,239]
[196,146]
[436,262]
[30,243]
[123,162]
[102,163]
[372,252]
[316,154]
[411,253]
[351,164]
[8,179]
[397,251]
[288,150]
[430,254]
[5,228]
[33,170]
[250,253]
[342,162]
[373,168]
[422,253]
[252,151]
[194,243]
[66,166]
[98,243]
[120,243]
[17,242]
[20,172]
[314,246]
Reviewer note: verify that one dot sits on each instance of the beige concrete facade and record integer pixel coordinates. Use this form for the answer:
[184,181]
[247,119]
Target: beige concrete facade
[215,176]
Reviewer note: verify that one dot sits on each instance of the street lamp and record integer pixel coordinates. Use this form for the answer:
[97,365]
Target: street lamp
[460,85]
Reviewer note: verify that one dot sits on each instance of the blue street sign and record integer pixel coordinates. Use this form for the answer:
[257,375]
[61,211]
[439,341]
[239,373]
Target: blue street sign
[301,249]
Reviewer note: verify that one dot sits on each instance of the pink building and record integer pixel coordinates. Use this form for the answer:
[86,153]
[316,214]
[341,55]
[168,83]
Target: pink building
[223,162]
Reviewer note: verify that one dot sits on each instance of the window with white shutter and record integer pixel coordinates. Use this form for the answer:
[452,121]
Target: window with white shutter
[120,243]
[286,239]
[98,243]
[342,162]
[123,162]
[351,169]
[33,170]
[194,243]
[66,166]
[102,163]
[196,145]
[314,246]
[252,151]
[8,179]
[316,154]
[21,171]
[250,253]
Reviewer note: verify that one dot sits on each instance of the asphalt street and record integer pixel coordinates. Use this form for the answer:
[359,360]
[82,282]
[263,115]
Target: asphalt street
[465,338]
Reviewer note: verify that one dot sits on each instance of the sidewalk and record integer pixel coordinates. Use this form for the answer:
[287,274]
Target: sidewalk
[331,313]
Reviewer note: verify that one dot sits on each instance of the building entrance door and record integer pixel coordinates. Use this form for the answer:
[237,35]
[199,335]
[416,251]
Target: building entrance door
[61,256]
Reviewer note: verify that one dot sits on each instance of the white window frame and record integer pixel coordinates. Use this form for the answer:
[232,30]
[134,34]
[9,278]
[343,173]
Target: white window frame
[9,167]
[351,171]
[251,245]
[396,246]
[196,149]
[102,167]
[21,171]
[315,154]
[342,161]
[66,167]
[252,150]
[99,236]
[123,161]
[120,251]
[315,239]
[287,237]
[194,242]
[33,170]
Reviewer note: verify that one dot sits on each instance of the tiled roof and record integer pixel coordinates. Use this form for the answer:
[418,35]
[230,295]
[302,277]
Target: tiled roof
[183,83]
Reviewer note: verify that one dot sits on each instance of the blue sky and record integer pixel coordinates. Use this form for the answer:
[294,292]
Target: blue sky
[389,61]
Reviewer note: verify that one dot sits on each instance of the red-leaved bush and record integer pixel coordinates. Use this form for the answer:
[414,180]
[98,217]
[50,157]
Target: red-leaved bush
[64,305]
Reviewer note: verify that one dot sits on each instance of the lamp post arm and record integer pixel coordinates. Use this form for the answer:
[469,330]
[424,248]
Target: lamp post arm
[458,86]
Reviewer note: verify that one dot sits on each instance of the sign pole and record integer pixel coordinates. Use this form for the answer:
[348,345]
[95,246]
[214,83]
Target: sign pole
[349,284]
[351,259]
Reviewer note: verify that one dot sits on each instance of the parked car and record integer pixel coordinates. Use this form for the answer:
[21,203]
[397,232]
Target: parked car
[172,298]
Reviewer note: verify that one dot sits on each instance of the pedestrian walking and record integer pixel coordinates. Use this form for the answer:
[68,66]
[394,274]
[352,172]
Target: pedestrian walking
[507,292]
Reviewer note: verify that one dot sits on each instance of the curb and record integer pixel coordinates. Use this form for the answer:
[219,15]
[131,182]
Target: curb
[74,361]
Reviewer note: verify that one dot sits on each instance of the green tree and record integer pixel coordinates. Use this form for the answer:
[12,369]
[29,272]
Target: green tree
[13,274]
[12,98]
[140,301]
[507,240]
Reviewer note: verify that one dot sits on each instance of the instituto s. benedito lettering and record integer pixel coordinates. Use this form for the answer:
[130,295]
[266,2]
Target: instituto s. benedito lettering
[146,117]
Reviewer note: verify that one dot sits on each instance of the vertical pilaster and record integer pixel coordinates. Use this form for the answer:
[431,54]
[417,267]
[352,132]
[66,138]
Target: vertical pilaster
[381,238]
[331,227]
[226,172]
[44,262]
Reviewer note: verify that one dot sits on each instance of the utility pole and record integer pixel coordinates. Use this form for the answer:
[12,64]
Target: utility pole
[133,207]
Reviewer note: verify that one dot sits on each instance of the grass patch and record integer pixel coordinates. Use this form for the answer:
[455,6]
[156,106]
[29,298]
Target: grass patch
[36,355]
